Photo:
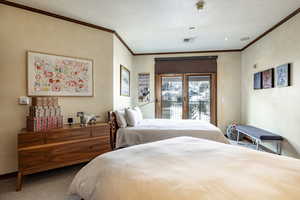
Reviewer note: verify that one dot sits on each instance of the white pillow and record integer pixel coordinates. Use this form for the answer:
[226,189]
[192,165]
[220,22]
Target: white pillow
[132,117]
[139,112]
[121,120]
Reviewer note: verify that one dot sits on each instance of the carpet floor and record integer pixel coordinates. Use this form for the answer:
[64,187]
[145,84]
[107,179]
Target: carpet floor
[51,185]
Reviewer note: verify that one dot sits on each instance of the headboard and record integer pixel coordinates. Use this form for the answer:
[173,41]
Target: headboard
[112,121]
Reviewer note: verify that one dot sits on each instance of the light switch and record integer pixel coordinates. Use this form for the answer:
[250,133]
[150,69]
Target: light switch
[23,100]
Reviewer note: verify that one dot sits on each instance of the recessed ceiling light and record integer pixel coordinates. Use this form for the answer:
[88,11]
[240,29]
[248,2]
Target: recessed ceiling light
[226,38]
[243,39]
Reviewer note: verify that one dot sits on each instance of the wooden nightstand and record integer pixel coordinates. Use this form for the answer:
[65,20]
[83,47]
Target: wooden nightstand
[41,151]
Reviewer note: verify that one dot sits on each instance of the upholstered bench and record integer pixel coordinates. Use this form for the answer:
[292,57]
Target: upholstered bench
[259,135]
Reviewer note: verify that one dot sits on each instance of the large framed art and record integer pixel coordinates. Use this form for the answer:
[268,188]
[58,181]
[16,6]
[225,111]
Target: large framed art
[124,81]
[55,75]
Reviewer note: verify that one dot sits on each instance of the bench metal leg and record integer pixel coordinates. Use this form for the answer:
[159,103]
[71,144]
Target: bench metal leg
[238,137]
[257,144]
[278,147]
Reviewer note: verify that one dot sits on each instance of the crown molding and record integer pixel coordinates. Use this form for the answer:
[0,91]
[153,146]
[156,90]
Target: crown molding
[9,3]
[297,11]
[35,10]
[188,52]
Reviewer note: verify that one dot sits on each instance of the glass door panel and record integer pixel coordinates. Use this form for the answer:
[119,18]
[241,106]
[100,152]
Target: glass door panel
[171,97]
[199,98]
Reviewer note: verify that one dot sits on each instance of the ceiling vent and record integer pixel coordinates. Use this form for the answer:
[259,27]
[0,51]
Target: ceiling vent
[243,39]
[188,40]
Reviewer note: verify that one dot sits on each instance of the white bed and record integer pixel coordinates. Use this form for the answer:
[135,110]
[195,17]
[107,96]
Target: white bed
[186,168]
[150,130]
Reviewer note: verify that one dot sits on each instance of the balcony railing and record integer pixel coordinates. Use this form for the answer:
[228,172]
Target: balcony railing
[198,110]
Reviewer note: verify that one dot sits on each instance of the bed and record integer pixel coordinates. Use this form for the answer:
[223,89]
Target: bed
[186,168]
[151,130]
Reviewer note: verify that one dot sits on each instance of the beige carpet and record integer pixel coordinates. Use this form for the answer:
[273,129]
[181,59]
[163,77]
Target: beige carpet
[51,185]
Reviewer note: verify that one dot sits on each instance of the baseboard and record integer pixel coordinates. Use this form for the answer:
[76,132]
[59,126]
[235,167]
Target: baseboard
[8,175]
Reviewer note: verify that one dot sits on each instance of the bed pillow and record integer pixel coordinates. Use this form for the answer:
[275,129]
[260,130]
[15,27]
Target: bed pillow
[132,117]
[139,112]
[121,119]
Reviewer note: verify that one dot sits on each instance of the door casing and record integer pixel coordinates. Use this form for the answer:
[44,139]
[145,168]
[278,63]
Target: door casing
[185,109]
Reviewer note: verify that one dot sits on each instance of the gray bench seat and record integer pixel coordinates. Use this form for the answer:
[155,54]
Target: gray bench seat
[259,135]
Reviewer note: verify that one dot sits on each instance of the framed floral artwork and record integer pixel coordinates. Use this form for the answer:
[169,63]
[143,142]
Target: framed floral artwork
[54,75]
[124,81]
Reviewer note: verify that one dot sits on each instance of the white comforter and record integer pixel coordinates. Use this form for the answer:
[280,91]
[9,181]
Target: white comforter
[151,130]
[185,168]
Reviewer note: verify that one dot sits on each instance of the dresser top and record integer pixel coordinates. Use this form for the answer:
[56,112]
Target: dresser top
[66,128]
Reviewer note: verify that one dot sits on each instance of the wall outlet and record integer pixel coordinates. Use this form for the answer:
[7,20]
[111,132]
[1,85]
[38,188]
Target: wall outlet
[24,100]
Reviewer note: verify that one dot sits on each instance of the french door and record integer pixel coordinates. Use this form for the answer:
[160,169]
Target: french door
[186,96]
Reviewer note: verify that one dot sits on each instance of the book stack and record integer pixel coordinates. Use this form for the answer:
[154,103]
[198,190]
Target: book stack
[44,114]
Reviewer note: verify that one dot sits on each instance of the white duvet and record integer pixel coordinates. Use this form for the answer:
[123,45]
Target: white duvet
[151,130]
[186,168]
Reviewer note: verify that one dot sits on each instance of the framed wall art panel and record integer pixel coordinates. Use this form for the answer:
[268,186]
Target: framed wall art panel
[268,78]
[283,73]
[144,87]
[54,75]
[258,80]
[124,81]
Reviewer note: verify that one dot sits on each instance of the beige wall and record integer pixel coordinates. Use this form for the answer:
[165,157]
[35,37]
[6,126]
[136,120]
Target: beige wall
[121,56]
[275,109]
[229,65]
[21,31]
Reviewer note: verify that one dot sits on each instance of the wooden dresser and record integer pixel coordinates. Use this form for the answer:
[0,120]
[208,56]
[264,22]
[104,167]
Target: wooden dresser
[41,151]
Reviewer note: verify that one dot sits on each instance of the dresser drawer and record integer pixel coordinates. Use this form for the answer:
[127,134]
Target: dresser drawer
[78,152]
[30,139]
[100,131]
[54,156]
[32,159]
[67,135]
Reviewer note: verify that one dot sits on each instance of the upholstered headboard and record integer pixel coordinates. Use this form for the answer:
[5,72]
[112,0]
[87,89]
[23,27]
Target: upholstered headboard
[112,121]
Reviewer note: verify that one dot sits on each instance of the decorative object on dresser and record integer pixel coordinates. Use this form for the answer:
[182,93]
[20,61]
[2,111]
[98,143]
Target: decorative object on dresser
[44,114]
[53,75]
[41,151]
[86,118]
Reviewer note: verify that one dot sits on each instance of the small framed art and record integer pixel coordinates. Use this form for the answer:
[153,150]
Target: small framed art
[268,79]
[124,81]
[258,81]
[283,75]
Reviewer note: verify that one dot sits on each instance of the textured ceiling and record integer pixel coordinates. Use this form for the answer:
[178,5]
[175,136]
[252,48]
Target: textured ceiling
[161,25]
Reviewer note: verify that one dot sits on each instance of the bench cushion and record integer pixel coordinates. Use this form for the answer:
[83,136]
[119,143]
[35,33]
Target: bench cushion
[258,133]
